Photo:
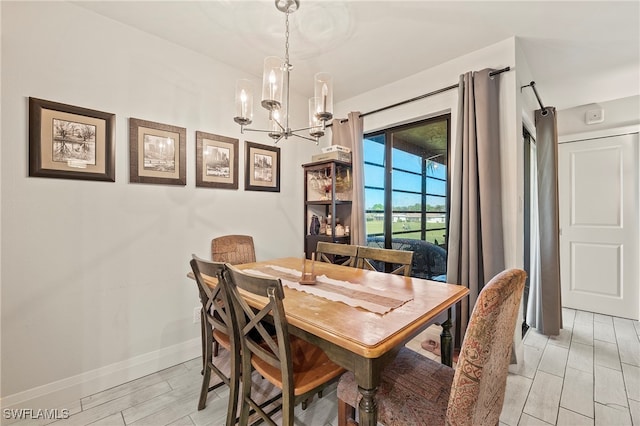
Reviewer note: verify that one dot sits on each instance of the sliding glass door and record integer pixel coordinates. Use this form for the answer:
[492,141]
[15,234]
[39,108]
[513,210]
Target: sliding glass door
[406,192]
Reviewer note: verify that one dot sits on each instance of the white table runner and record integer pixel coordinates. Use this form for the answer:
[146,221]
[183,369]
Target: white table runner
[373,300]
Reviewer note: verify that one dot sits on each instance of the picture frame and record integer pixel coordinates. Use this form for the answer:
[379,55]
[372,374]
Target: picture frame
[157,153]
[71,142]
[216,161]
[262,167]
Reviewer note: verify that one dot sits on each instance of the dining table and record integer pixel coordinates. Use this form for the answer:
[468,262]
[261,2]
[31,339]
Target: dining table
[360,318]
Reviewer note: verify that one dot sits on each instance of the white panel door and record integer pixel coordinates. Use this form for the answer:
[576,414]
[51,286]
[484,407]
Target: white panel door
[599,225]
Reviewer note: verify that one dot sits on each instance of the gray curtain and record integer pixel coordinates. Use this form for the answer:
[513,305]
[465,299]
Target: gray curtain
[475,241]
[544,307]
[349,133]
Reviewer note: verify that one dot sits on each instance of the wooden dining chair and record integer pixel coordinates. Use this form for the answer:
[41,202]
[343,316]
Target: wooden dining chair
[233,249]
[218,326]
[369,257]
[297,367]
[416,390]
[336,253]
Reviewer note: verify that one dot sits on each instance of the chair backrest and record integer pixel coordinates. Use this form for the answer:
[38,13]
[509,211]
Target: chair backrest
[214,299]
[338,253]
[479,383]
[254,326]
[369,257]
[233,249]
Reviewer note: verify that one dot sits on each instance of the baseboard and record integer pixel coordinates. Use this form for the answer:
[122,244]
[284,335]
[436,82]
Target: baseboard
[56,394]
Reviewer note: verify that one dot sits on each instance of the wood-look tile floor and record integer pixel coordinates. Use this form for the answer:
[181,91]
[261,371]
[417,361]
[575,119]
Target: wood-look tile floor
[589,375]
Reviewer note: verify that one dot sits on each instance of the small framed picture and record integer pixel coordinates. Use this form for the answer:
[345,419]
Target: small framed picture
[157,153]
[262,167]
[216,161]
[70,142]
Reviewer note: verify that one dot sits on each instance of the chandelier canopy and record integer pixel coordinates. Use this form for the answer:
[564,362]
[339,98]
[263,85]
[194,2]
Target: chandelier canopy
[275,94]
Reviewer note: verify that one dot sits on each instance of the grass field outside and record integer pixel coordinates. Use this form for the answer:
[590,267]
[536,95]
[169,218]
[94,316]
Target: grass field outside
[435,231]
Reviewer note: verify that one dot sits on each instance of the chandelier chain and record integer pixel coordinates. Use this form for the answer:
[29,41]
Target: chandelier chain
[286,44]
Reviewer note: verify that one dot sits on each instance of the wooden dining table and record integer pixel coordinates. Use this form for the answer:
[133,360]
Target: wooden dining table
[355,338]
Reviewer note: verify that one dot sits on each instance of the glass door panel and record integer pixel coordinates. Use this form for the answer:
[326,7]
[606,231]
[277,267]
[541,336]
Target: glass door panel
[406,190]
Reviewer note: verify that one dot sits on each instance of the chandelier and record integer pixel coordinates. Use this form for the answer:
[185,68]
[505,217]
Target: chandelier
[275,94]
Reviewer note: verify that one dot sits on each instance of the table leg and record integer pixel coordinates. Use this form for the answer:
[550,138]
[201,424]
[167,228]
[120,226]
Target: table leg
[368,409]
[446,341]
[368,372]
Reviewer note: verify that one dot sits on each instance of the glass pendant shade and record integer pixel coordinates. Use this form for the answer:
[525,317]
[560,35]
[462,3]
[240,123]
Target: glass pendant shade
[275,129]
[272,83]
[323,92]
[315,125]
[244,102]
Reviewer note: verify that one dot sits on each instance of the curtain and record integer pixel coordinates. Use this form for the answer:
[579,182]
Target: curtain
[544,309]
[534,236]
[349,133]
[475,241]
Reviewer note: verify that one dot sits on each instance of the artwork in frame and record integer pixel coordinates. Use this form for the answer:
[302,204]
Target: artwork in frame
[216,161]
[71,142]
[262,167]
[157,153]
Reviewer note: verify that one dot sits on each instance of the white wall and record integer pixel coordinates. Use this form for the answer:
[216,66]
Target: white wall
[526,104]
[93,273]
[618,113]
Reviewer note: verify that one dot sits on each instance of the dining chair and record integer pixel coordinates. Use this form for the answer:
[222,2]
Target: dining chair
[298,368]
[218,326]
[416,390]
[369,257]
[336,253]
[233,249]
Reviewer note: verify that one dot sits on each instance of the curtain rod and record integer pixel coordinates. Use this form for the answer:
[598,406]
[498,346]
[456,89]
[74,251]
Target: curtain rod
[426,95]
[535,92]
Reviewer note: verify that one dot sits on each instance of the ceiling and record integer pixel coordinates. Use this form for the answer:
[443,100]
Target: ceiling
[579,52]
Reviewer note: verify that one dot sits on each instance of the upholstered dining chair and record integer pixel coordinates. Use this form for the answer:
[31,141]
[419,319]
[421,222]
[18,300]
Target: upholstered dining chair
[369,257]
[336,253]
[299,368]
[416,390]
[218,327]
[233,249]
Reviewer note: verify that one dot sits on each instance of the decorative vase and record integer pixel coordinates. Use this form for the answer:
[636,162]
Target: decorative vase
[314,227]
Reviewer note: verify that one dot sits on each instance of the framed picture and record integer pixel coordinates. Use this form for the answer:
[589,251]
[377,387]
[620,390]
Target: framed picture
[262,168]
[157,153]
[216,161]
[70,142]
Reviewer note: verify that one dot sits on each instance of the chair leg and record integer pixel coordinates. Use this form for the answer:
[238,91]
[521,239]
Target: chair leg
[203,337]
[246,391]
[206,373]
[287,409]
[234,389]
[215,348]
[346,414]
